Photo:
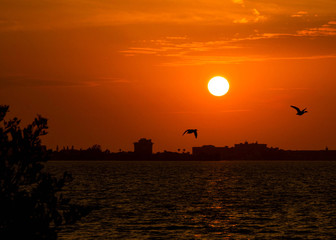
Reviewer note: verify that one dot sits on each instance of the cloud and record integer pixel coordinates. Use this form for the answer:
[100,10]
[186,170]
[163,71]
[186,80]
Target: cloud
[65,14]
[204,60]
[27,81]
[253,17]
[183,51]
[50,14]
[177,47]
[242,20]
[240,2]
[257,16]
[36,82]
[177,38]
[299,14]
[324,30]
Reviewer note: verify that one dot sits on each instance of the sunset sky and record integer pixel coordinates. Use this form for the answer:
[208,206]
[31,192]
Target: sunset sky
[109,72]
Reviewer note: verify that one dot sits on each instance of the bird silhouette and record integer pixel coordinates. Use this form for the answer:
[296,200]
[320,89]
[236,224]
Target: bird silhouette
[299,112]
[189,131]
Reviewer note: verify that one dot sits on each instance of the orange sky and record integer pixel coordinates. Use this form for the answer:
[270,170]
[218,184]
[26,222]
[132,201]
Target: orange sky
[110,72]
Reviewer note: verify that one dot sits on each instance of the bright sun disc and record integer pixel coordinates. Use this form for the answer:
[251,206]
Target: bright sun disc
[218,86]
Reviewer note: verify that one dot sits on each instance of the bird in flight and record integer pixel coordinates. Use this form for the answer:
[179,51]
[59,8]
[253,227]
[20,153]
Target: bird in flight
[299,112]
[189,131]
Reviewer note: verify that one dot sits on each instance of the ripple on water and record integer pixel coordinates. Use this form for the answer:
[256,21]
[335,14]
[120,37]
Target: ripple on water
[203,200]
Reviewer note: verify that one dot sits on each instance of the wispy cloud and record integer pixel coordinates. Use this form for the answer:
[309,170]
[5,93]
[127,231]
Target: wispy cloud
[299,14]
[240,2]
[180,51]
[51,14]
[241,20]
[176,47]
[253,17]
[27,81]
[36,82]
[19,15]
[324,30]
[203,60]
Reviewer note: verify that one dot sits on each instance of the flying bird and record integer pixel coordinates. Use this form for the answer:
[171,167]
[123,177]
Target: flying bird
[189,131]
[299,112]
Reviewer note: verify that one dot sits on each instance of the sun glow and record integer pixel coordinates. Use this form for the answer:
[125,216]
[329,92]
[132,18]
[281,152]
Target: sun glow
[218,86]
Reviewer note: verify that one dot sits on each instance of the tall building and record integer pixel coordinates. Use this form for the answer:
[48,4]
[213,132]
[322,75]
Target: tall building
[144,147]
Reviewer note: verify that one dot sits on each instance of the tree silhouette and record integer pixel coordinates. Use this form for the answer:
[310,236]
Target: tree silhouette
[31,203]
[95,148]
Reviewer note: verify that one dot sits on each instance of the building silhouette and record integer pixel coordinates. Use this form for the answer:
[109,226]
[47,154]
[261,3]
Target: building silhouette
[143,150]
[144,147]
[211,152]
[250,147]
[241,151]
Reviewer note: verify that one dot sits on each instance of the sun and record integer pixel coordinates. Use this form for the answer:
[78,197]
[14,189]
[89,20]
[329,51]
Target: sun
[218,86]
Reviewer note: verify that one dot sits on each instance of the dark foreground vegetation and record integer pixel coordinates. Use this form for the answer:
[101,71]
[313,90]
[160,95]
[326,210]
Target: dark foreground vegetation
[31,203]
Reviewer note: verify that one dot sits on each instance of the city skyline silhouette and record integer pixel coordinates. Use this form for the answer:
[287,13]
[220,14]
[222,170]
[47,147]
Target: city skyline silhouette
[143,150]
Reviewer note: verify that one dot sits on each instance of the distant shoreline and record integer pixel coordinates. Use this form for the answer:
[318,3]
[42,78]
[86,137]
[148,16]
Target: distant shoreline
[242,151]
[193,160]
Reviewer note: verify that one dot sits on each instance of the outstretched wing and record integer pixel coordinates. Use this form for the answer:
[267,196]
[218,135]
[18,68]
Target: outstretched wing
[185,132]
[195,132]
[296,108]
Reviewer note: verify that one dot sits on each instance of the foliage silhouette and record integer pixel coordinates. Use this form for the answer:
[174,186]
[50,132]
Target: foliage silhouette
[31,203]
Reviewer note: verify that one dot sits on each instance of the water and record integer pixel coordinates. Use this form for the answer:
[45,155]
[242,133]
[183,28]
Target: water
[203,200]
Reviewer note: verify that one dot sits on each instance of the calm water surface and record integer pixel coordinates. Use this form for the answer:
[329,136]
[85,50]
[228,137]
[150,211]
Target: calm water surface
[203,200]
